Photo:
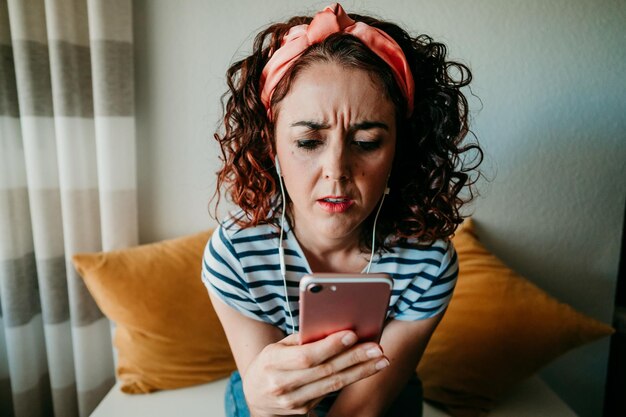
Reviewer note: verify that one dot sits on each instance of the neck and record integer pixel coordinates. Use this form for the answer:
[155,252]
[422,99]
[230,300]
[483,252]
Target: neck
[342,255]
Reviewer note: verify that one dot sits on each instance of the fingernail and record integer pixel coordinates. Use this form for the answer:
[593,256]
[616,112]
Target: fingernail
[373,353]
[349,339]
[382,364]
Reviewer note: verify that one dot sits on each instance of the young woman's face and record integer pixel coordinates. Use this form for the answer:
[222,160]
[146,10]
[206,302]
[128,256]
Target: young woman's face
[335,138]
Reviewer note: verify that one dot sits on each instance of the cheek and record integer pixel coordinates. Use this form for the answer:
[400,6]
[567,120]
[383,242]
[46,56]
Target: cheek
[375,174]
[298,176]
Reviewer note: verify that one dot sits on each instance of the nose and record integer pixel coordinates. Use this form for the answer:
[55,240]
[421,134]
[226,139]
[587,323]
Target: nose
[337,163]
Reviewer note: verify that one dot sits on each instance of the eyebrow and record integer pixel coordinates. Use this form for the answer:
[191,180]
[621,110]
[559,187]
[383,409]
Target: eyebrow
[311,125]
[365,125]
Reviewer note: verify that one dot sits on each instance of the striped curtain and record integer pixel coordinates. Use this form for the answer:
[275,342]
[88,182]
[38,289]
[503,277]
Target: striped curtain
[67,185]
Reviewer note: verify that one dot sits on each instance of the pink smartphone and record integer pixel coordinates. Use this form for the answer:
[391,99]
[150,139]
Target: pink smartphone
[333,302]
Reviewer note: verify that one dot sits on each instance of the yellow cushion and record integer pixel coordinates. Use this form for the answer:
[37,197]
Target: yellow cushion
[167,333]
[499,329]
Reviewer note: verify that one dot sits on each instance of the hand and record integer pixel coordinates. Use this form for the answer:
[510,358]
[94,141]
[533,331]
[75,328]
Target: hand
[286,378]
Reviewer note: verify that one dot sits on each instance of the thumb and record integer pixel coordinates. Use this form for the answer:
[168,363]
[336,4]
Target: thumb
[291,340]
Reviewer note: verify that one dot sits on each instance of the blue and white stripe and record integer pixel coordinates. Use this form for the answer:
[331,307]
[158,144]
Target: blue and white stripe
[241,267]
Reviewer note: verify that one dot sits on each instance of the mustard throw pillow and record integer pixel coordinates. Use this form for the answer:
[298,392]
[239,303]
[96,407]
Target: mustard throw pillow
[167,333]
[499,329]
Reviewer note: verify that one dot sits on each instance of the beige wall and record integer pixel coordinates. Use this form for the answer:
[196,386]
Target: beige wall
[550,78]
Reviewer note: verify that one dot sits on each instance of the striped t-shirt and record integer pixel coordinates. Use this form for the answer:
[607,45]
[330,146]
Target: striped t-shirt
[242,268]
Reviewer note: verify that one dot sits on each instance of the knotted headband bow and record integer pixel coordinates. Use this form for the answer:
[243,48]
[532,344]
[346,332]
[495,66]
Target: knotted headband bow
[333,19]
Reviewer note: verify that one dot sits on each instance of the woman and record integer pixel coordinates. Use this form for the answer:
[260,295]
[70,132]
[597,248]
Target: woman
[341,111]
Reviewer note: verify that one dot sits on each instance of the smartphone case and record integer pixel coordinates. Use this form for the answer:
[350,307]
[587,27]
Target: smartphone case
[357,302]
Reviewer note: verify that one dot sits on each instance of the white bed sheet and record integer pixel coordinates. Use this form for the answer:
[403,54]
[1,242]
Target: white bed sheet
[531,398]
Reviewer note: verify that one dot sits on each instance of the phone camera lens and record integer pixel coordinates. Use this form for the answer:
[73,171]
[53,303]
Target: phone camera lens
[315,288]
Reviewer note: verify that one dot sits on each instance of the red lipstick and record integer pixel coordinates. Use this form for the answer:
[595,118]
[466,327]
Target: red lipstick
[335,204]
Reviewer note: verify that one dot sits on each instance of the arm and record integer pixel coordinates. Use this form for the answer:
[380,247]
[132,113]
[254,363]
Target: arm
[404,343]
[281,377]
[246,336]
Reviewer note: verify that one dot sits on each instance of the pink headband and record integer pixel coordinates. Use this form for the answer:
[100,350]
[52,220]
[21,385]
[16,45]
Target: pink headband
[331,20]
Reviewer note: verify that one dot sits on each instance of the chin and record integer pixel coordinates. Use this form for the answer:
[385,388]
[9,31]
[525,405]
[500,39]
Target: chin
[336,228]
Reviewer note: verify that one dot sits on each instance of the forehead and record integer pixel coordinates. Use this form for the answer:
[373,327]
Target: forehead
[330,92]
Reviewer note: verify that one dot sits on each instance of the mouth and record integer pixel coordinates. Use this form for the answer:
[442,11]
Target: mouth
[335,204]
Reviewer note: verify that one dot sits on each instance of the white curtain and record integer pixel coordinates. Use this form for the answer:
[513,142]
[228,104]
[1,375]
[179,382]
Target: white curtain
[67,185]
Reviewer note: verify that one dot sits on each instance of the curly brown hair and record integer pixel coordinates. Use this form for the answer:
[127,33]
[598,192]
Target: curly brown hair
[431,167]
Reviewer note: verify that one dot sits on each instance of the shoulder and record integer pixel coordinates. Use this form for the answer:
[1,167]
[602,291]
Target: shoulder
[233,249]
[424,280]
[232,228]
[438,254]
[231,236]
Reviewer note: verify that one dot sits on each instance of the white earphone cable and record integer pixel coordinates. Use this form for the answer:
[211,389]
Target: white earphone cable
[281,249]
[380,206]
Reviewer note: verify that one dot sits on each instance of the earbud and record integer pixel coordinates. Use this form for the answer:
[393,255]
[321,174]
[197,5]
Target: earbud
[387,189]
[277,164]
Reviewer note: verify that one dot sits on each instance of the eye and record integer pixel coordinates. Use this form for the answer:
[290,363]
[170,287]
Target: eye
[367,145]
[308,144]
